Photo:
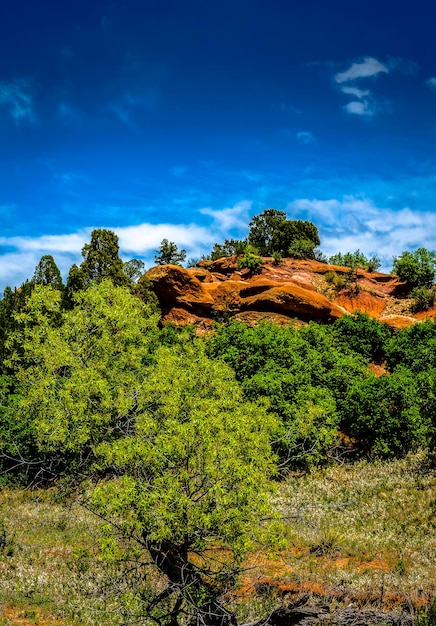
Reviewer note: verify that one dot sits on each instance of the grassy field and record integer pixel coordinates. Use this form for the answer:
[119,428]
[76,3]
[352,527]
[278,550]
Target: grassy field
[361,534]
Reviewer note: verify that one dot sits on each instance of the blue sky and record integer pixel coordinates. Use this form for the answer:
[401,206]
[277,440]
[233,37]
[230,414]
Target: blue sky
[183,119]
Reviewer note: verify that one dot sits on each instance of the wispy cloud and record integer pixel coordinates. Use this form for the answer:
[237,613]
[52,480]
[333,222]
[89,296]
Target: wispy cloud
[366,68]
[21,254]
[431,83]
[306,137]
[352,222]
[230,218]
[129,104]
[364,107]
[17,98]
[364,104]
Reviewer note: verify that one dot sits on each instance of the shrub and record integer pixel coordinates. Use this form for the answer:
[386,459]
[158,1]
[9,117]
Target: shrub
[336,280]
[362,334]
[277,258]
[423,299]
[356,260]
[417,268]
[384,416]
[250,260]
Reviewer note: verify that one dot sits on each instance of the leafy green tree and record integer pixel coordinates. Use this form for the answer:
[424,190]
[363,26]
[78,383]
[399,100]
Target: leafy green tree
[169,253]
[75,283]
[295,238]
[101,259]
[13,301]
[423,299]
[414,347]
[181,464]
[47,273]
[262,230]
[356,260]
[384,415]
[362,334]
[416,268]
[302,374]
[230,247]
[250,260]
[133,269]
[301,249]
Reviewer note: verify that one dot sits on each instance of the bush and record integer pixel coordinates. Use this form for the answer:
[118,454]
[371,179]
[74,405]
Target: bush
[383,414]
[417,268]
[356,260]
[250,260]
[423,299]
[336,280]
[362,334]
[301,249]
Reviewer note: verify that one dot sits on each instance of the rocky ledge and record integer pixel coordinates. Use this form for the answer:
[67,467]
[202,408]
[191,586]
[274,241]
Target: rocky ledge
[293,290]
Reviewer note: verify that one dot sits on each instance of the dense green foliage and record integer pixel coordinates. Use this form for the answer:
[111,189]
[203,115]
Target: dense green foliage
[316,379]
[270,232]
[416,268]
[250,259]
[230,247]
[355,259]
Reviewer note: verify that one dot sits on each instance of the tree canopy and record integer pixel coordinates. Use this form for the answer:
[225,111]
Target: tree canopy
[183,462]
[416,268]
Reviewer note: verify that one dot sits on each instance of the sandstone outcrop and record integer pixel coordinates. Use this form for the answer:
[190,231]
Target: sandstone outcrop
[289,292]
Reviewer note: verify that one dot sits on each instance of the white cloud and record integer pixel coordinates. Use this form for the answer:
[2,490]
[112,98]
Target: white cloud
[145,238]
[354,222]
[48,243]
[306,137]
[368,67]
[365,105]
[141,240]
[354,91]
[230,218]
[360,108]
[431,83]
[17,98]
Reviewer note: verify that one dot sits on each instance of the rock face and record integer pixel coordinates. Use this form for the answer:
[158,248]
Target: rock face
[294,290]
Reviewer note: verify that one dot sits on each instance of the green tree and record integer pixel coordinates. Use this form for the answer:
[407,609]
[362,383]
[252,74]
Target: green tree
[230,247]
[133,269]
[356,260]
[384,415]
[295,238]
[47,273]
[250,260]
[262,230]
[362,334]
[416,268]
[101,260]
[181,463]
[169,253]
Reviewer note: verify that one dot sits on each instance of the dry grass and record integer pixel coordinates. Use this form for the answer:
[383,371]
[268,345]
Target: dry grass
[363,533]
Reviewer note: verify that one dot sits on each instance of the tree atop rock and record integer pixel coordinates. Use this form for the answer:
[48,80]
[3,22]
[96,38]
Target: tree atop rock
[169,254]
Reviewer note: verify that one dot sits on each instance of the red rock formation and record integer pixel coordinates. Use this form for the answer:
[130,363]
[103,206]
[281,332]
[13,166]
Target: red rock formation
[282,293]
[363,301]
